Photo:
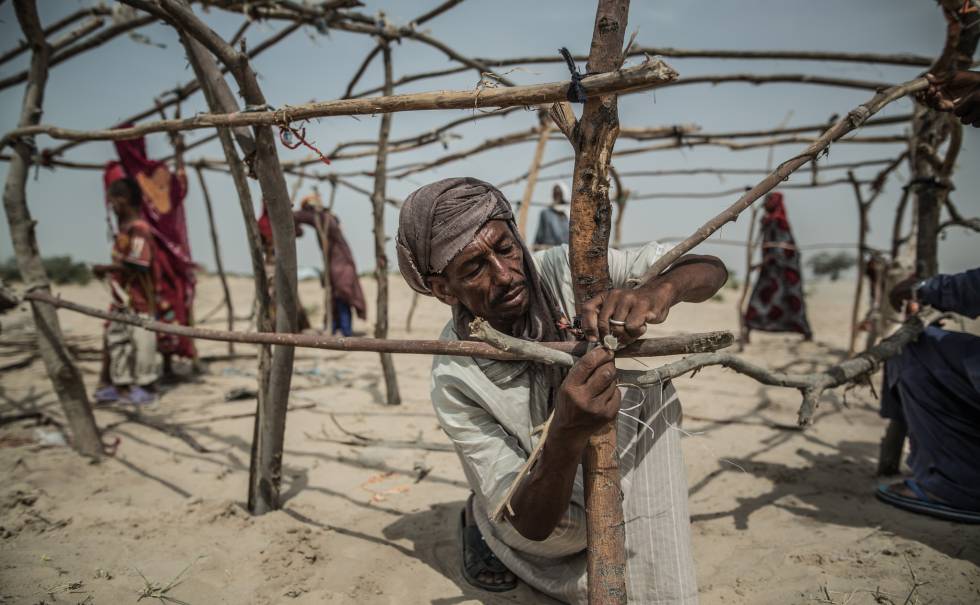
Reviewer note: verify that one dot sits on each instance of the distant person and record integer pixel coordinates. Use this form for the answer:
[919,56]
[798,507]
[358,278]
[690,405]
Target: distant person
[958,93]
[345,287]
[130,370]
[934,387]
[269,255]
[163,194]
[777,303]
[553,220]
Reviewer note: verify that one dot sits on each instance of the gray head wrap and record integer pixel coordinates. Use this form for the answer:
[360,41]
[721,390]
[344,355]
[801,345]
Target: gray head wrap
[435,223]
[439,220]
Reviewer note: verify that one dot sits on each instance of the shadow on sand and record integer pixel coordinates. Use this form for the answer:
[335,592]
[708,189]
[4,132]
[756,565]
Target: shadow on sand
[434,534]
[836,488]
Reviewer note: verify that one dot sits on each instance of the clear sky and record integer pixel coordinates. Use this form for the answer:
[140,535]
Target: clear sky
[100,87]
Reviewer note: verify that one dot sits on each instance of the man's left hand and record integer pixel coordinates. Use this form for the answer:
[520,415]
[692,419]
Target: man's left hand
[625,313]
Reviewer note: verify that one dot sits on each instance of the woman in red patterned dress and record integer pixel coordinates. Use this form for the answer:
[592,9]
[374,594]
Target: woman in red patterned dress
[777,303]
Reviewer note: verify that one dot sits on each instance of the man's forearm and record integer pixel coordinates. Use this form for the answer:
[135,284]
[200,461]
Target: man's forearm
[542,498]
[693,278]
[959,293]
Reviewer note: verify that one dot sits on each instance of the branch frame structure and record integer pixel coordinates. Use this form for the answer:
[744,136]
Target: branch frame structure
[854,119]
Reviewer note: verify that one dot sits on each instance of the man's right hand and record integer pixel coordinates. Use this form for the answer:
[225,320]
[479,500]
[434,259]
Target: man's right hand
[902,293]
[589,397]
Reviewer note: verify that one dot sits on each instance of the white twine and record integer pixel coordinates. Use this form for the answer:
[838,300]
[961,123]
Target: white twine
[669,424]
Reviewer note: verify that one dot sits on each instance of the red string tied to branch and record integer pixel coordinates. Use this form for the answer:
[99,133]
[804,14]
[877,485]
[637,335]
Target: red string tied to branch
[293,138]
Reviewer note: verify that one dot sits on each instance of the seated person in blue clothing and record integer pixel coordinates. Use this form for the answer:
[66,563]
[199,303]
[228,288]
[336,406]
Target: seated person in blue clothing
[934,386]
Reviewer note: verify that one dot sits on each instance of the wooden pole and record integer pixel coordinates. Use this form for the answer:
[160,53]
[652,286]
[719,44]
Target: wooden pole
[411,312]
[220,98]
[333,194]
[61,369]
[927,133]
[322,231]
[219,265]
[750,246]
[641,77]
[392,397]
[544,131]
[862,208]
[264,485]
[648,347]
[594,137]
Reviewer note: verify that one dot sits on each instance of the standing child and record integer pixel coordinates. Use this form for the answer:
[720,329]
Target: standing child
[132,371]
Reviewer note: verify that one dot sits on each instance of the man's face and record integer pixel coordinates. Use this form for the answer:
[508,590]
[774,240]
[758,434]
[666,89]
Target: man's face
[487,276]
[556,195]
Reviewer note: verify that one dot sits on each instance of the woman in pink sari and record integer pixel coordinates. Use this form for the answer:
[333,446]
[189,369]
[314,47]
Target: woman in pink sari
[163,208]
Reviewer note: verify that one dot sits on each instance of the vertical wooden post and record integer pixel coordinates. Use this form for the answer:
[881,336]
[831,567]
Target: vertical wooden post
[593,138]
[61,369]
[411,312]
[544,131]
[862,208]
[750,246]
[220,98]
[219,265]
[928,134]
[392,397]
[322,232]
[328,320]
[333,194]
[266,467]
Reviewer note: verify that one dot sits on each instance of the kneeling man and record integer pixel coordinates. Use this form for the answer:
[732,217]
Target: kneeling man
[457,241]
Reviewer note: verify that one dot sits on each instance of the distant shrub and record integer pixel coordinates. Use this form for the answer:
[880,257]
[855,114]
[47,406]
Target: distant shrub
[60,269]
[831,264]
[733,282]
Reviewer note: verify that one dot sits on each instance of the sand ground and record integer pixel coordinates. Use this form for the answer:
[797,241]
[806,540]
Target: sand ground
[778,515]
